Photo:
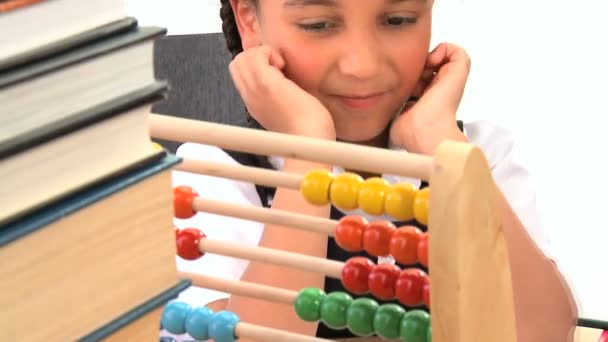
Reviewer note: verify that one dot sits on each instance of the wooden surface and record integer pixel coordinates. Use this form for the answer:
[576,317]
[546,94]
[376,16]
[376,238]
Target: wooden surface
[147,328]
[72,277]
[472,296]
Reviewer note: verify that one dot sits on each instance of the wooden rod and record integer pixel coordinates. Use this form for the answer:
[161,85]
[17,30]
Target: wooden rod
[350,156]
[264,334]
[265,215]
[324,266]
[242,288]
[262,292]
[255,175]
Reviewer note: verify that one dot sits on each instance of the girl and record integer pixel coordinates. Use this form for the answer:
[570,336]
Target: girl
[340,70]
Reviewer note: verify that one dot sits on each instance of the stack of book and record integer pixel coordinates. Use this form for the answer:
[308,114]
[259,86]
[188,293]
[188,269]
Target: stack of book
[86,236]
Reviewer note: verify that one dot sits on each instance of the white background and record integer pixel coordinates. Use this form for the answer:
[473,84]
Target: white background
[540,69]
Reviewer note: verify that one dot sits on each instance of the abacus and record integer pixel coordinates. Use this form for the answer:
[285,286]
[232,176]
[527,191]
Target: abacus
[468,288]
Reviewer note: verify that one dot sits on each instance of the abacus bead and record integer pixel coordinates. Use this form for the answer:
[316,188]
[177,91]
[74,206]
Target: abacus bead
[360,316]
[387,321]
[408,288]
[222,325]
[308,304]
[371,195]
[403,245]
[426,291]
[197,323]
[429,334]
[173,318]
[333,309]
[183,197]
[382,280]
[399,201]
[421,206]
[349,233]
[355,274]
[187,241]
[344,190]
[415,326]
[423,250]
[166,339]
[377,236]
[315,186]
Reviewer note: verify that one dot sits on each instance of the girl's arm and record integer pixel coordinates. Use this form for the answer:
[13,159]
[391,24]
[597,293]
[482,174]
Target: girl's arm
[276,315]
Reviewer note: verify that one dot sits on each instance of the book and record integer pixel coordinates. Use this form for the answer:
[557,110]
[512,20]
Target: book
[56,160]
[60,87]
[26,24]
[87,260]
[48,50]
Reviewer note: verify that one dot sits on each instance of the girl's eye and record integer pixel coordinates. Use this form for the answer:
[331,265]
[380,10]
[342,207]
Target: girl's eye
[399,21]
[315,26]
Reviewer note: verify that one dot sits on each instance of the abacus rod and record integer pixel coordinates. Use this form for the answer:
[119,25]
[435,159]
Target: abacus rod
[259,333]
[265,215]
[329,268]
[350,156]
[255,175]
[242,288]
[253,290]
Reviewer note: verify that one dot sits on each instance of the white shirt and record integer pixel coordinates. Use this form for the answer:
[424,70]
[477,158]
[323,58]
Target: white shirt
[497,144]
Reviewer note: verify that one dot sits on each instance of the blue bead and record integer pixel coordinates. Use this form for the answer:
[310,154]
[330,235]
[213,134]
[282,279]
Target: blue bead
[174,317]
[197,323]
[167,339]
[221,326]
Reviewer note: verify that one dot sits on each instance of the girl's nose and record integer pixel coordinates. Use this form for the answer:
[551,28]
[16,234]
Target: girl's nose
[360,58]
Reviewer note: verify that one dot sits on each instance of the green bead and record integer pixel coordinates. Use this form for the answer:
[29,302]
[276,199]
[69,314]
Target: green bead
[429,334]
[333,309]
[360,316]
[414,326]
[387,321]
[308,304]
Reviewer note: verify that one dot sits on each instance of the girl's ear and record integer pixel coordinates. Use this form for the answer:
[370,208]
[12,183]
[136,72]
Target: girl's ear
[246,19]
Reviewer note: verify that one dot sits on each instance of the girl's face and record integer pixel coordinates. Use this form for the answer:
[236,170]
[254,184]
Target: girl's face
[360,58]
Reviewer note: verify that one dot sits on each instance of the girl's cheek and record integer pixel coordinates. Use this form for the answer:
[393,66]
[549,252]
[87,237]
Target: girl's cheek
[305,66]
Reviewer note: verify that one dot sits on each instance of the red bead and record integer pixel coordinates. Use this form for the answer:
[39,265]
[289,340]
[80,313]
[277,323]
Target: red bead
[355,275]
[349,233]
[404,245]
[423,250]
[408,288]
[183,196]
[377,236]
[382,280]
[426,291]
[187,241]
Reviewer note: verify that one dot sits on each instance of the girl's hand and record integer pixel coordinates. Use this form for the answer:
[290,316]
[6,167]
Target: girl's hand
[426,122]
[274,101]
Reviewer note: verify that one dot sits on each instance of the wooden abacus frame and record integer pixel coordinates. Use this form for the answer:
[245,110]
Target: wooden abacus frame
[472,294]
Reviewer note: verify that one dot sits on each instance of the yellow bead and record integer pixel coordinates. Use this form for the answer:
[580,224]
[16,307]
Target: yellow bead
[156,146]
[421,206]
[371,195]
[344,191]
[399,201]
[315,186]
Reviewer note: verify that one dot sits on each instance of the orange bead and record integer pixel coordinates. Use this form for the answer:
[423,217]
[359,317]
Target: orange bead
[404,245]
[344,190]
[315,186]
[183,197]
[377,236]
[421,206]
[371,195]
[399,201]
[349,233]
[423,250]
